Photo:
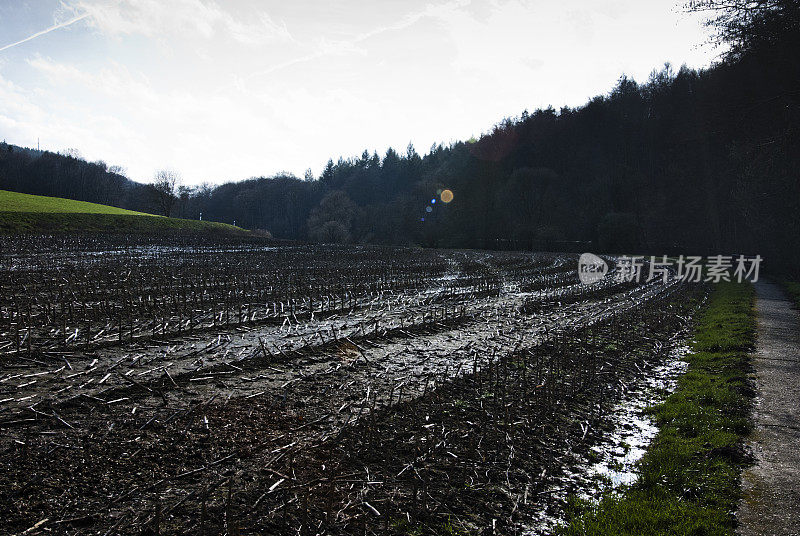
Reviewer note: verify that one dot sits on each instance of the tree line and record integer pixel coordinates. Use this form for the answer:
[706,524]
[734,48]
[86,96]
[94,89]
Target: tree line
[689,161]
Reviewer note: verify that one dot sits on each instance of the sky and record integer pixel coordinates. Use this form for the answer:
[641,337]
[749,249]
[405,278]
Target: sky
[230,89]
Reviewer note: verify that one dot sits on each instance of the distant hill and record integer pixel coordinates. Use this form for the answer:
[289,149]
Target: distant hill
[20,213]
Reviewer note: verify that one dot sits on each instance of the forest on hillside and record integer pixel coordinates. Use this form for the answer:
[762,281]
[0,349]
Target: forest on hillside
[693,162]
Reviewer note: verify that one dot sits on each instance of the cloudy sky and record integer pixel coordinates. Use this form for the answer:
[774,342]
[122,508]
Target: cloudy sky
[225,90]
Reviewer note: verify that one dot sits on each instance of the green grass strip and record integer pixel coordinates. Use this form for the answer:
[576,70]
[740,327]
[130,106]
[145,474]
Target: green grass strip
[689,477]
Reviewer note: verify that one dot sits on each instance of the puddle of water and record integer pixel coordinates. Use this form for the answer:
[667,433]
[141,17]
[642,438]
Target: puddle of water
[612,462]
[634,430]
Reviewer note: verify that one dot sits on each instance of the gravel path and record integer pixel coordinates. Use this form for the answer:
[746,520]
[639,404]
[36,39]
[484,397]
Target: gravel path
[771,502]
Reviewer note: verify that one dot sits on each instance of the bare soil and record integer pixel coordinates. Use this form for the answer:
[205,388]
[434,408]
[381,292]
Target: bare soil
[452,405]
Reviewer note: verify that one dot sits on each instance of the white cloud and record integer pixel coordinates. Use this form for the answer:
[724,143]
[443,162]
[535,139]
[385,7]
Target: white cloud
[24,120]
[127,119]
[114,81]
[159,19]
[324,46]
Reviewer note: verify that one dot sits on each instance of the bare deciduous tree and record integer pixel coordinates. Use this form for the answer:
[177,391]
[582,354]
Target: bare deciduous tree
[165,186]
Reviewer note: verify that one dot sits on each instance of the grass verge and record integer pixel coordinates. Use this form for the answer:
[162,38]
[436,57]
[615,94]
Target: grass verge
[689,477]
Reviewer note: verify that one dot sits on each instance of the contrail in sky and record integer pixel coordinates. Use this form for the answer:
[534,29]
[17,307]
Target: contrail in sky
[50,29]
[407,21]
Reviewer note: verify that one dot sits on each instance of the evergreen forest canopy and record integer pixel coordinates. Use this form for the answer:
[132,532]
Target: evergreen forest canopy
[691,162]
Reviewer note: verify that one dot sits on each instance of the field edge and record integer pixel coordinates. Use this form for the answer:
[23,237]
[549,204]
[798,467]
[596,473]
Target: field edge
[690,477]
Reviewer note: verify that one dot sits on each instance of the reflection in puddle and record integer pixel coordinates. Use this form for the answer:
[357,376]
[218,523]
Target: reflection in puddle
[619,451]
[612,461]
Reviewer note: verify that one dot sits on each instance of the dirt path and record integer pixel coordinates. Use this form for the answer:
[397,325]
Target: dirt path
[771,503]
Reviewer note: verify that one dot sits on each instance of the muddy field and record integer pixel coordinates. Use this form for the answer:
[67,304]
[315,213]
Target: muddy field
[244,388]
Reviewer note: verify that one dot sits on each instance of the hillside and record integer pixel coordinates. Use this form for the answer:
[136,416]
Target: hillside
[20,213]
[16,202]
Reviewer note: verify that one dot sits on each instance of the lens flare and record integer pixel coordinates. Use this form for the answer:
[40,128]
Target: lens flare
[447,196]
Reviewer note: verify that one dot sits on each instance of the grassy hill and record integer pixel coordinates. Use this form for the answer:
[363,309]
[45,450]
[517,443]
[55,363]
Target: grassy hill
[25,213]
